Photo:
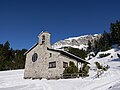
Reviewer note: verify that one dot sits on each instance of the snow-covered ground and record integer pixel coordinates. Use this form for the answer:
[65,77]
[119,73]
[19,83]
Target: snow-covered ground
[109,80]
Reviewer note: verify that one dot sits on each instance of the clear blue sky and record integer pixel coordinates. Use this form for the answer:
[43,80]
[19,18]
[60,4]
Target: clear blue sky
[22,20]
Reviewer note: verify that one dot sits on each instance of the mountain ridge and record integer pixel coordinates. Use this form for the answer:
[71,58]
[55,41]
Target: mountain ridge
[79,42]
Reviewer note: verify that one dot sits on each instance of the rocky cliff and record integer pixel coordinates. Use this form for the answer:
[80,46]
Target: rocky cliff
[76,42]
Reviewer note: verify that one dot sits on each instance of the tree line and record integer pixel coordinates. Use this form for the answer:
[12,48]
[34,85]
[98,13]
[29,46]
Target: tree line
[107,39]
[11,59]
[77,52]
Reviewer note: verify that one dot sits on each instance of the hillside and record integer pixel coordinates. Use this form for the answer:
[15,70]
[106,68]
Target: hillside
[109,80]
[76,42]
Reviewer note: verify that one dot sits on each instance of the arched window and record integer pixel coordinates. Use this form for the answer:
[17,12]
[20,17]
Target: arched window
[43,39]
[34,57]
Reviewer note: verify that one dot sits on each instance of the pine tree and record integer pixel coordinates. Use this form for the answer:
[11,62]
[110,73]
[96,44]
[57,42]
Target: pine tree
[96,47]
[84,70]
[89,49]
[11,59]
[106,41]
[71,70]
[103,44]
[80,53]
[115,32]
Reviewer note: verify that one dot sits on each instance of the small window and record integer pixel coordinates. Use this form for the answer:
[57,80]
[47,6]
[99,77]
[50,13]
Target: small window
[43,39]
[34,57]
[52,64]
[50,54]
[65,64]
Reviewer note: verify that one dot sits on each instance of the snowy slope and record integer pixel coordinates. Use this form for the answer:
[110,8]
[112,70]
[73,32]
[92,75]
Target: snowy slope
[111,60]
[109,80]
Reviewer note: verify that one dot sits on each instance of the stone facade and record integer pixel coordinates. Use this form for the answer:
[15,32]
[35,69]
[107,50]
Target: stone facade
[40,68]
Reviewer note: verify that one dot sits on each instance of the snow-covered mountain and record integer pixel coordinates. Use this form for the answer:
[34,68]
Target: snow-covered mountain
[76,42]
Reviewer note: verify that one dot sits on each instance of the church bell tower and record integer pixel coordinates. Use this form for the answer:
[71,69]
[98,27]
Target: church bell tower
[44,39]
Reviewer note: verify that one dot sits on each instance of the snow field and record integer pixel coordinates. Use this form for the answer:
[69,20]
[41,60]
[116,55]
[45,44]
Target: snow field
[109,80]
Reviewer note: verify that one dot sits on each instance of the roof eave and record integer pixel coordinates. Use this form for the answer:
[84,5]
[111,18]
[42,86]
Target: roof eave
[31,48]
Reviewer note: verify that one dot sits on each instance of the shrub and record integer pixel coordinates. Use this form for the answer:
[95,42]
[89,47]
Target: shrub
[71,70]
[105,68]
[118,55]
[104,55]
[84,70]
[111,56]
[98,65]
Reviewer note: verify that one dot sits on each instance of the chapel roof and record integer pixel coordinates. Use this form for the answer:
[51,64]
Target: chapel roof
[69,55]
[31,48]
[62,52]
